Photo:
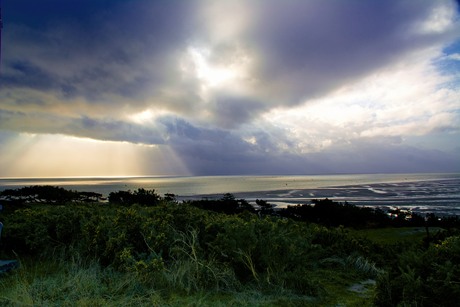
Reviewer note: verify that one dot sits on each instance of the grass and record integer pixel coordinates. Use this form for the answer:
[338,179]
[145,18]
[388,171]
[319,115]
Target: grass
[91,286]
[394,235]
[50,283]
[336,286]
[77,283]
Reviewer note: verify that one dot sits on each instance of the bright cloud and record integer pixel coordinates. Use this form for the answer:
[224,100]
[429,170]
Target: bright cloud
[406,99]
[454,56]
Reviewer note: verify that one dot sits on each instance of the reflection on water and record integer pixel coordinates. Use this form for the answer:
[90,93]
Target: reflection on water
[422,192]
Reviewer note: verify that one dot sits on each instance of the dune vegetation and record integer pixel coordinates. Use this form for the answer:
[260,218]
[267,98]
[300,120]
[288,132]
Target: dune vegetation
[141,249]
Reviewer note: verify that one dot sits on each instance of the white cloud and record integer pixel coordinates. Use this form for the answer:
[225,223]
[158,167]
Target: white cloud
[408,98]
[454,57]
[439,20]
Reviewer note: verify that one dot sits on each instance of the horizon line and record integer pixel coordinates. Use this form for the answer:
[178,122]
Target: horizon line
[213,175]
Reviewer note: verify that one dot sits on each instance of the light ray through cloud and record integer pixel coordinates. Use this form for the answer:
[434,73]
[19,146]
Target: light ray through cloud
[63,156]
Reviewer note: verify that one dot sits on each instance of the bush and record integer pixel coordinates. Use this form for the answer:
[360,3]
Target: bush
[140,196]
[429,277]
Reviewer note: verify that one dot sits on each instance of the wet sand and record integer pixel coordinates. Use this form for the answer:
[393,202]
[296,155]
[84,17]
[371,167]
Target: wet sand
[440,196]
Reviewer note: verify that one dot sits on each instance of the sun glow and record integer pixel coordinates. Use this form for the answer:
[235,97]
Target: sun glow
[211,75]
[32,155]
[228,70]
[147,116]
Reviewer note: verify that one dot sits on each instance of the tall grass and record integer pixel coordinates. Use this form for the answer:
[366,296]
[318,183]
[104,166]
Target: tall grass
[191,270]
[71,281]
[364,266]
[78,283]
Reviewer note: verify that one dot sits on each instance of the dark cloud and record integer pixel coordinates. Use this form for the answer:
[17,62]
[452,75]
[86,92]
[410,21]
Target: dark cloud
[311,47]
[43,12]
[230,110]
[377,156]
[114,130]
[206,149]
[371,156]
[102,129]
[109,47]
[132,49]
[28,75]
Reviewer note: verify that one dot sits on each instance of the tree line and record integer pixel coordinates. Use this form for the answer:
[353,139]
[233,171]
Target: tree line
[321,211]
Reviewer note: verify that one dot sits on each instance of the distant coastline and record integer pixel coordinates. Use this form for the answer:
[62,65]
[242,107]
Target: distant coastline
[439,193]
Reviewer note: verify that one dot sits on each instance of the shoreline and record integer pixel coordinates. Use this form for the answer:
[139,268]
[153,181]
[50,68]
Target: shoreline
[431,196]
[437,193]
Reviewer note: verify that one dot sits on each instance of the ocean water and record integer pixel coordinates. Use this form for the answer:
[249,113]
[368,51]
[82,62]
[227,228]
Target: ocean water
[439,193]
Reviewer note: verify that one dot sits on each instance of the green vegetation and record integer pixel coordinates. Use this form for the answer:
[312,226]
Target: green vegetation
[141,249]
[393,235]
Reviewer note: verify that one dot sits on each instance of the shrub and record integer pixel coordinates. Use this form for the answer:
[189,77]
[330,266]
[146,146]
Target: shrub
[429,277]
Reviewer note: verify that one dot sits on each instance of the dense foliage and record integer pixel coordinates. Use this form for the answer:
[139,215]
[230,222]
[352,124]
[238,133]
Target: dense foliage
[140,197]
[227,245]
[423,276]
[46,194]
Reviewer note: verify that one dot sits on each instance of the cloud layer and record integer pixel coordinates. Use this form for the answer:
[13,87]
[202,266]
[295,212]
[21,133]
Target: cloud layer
[242,86]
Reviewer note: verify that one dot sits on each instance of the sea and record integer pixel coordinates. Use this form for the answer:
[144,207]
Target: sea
[421,193]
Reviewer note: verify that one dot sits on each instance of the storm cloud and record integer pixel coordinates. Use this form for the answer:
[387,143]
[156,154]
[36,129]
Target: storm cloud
[241,86]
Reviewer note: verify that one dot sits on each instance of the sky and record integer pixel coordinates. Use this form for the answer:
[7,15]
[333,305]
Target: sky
[202,87]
